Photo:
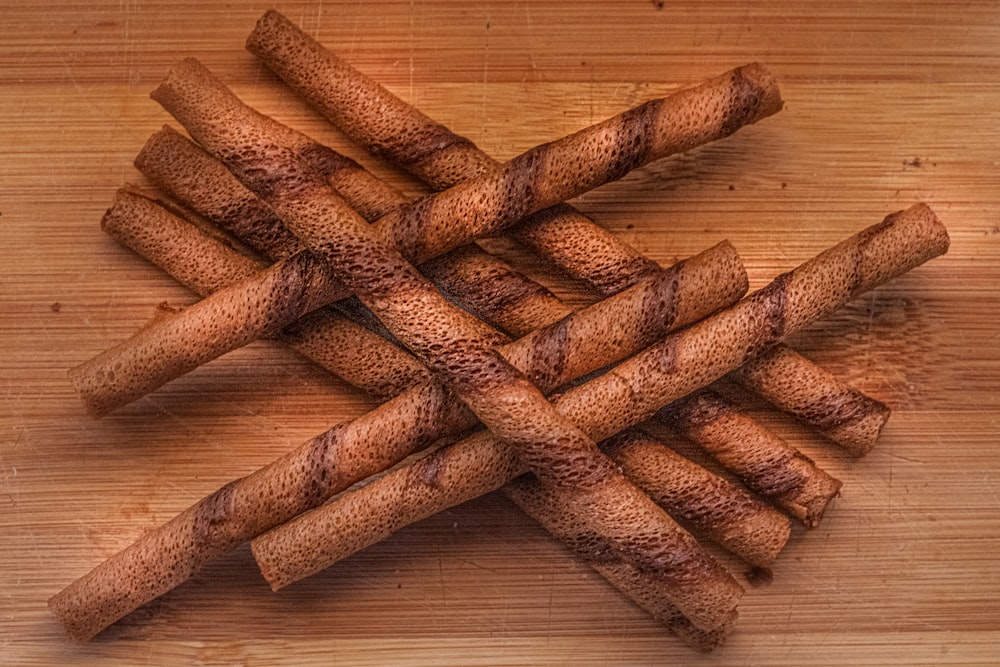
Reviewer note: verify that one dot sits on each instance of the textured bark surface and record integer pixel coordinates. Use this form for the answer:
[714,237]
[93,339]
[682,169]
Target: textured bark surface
[623,396]
[572,241]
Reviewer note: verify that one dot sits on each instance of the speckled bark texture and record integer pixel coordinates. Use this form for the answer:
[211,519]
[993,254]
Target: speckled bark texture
[180,251]
[515,303]
[818,398]
[660,297]
[443,159]
[165,557]
[370,354]
[431,151]
[631,392]
[763,461]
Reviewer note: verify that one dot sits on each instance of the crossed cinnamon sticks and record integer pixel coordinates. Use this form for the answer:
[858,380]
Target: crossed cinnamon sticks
[295,198]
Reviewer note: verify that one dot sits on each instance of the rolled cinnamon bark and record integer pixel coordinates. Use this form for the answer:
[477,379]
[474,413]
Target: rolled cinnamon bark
[792,383]
[167,556]
[404,135]
[632,391]
[765,462]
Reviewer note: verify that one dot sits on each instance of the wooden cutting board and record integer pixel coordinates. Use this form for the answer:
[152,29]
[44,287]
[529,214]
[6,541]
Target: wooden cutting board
[887,103]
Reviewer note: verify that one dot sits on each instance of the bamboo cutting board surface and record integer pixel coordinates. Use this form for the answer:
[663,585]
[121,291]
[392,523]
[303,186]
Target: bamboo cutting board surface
[887,104]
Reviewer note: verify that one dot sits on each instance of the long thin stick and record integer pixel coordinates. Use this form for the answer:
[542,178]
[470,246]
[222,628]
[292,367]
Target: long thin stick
[432,226]
[629,393]
[167,556]
[404,135]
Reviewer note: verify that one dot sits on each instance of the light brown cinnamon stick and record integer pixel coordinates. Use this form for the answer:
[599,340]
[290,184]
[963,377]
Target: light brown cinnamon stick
[566,237]
[629,393]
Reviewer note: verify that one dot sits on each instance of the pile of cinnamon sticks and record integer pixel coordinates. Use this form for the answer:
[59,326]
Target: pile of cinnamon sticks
[394,296]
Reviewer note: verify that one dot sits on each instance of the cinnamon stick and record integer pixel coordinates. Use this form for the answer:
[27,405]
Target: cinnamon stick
[634,390]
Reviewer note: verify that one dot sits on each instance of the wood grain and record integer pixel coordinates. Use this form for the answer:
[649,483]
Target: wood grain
[888,103]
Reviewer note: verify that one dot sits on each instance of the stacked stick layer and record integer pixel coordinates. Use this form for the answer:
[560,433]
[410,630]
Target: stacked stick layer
[294,198]
[561,234]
